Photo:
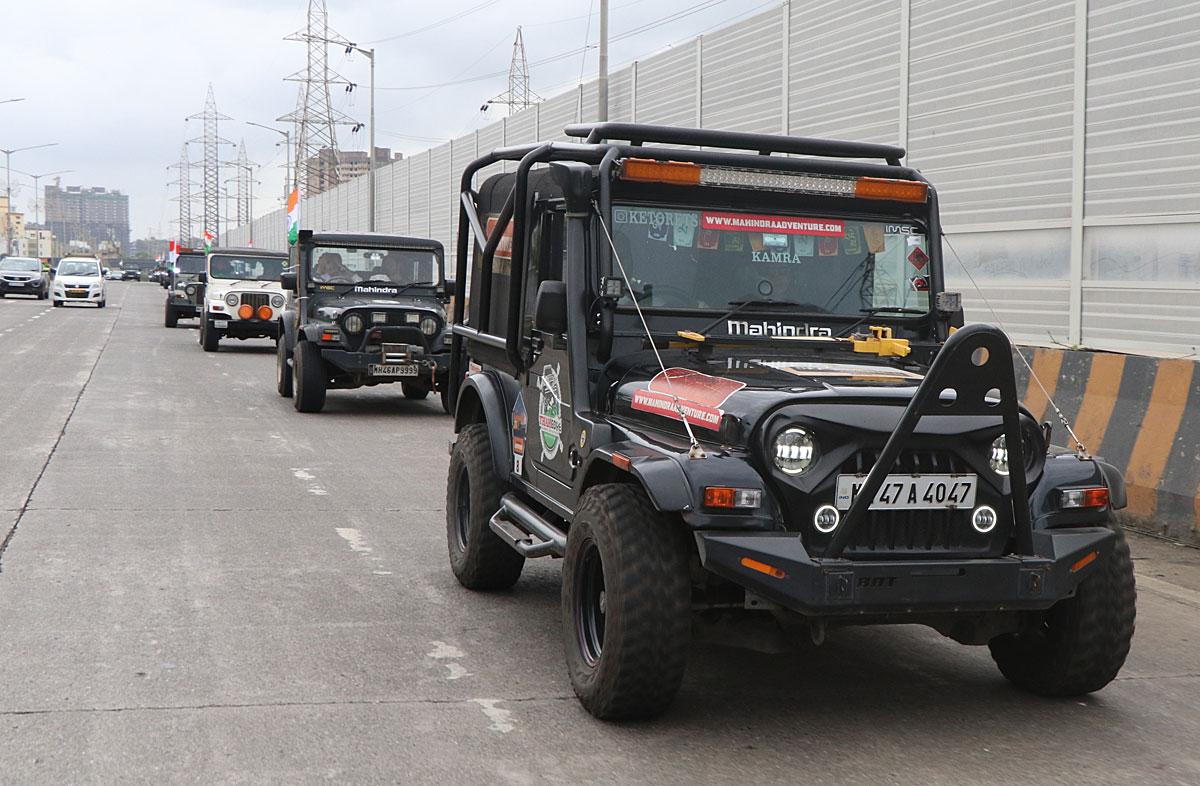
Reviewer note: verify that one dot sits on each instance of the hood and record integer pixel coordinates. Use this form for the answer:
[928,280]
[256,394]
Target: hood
[21,275]
[219,287]
[331,306]
[724,398]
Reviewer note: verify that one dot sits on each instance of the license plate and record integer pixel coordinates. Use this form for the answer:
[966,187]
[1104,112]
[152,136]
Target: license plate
[220,323]
[76,291]
[393,370]
[16,283]
[911,492]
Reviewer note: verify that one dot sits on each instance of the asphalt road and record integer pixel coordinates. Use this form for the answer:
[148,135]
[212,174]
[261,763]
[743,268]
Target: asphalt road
[202,585]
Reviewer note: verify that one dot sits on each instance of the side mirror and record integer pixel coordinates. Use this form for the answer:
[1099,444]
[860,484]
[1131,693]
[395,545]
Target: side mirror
[449,286]
[949,307]
[53,272]
[202,278]
[288,281]
[550,308]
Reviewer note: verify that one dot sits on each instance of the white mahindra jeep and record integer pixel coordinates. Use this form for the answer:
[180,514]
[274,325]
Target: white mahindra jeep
[243,298]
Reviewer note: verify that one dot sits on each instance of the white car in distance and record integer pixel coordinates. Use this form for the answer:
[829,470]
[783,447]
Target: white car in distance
[79,280]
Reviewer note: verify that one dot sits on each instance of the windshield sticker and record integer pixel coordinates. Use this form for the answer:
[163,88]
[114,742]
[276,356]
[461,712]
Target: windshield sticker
[708,240]
[804,245]
[827,246]
[375,289]
[756,241]
[550,411]
[680,390]
[918,258]
[659,229]
[838,370]
[851,244]
[920,283]
[685,225]
[787,225]
[520,424]
[733,241]
[777,329]
[775,241]
[876,238]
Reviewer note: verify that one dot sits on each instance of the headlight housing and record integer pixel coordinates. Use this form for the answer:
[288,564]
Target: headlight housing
[277,301]
[795,450]
[190,289]
[231,299]
[353,324]
[998,460]
[429,326]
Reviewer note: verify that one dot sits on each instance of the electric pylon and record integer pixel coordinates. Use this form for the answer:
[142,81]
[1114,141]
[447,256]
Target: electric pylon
[315,119]
[211,177]
[518,96]
[185,196]
[244,208]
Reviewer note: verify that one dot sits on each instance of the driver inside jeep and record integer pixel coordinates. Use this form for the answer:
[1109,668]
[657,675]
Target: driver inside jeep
[331,270]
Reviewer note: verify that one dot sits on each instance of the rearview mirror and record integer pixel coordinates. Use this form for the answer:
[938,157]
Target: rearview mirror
[288,281]
[550,308]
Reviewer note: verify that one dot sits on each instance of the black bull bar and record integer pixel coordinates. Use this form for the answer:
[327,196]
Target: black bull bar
[1044,567]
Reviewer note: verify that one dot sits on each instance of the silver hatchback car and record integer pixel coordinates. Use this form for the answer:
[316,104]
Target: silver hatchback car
[23,276]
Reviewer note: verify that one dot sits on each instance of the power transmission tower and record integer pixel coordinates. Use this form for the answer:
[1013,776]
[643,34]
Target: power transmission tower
[185,196]
[518,96]
[315,119]
[244,208]
[211,177]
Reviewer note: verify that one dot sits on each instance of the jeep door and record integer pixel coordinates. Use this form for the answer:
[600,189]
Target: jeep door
[551,440]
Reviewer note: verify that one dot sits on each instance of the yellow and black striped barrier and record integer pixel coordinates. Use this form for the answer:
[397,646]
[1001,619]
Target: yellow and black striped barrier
[1140,414]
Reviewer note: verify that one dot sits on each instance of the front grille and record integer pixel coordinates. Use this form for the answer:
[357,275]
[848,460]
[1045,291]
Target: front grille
[915,532]
[73,293]
[255,299]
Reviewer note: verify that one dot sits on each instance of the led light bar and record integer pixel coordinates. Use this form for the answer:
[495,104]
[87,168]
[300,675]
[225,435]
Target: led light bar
[686,173]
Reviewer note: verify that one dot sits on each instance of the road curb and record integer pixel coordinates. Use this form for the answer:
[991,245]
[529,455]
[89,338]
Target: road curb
[1141,414]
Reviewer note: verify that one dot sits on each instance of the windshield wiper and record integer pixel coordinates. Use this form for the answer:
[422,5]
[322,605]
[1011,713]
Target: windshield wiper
[870,312]
[739,306]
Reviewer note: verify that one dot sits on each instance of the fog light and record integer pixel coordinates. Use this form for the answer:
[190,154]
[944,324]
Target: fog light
[378,317]
[984,519]
[265,313]
[246,311]
[826,519]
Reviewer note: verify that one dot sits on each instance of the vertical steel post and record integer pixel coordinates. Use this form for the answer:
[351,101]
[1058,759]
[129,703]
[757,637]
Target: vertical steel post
[602,80]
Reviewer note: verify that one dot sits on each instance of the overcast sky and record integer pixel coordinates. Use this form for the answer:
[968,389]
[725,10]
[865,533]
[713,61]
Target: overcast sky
[112,82]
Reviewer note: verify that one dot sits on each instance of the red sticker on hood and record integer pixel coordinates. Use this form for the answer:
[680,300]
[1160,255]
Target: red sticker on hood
[680,393]
[779,225]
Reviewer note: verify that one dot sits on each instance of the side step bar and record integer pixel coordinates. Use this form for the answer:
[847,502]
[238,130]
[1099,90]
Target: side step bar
[525,530]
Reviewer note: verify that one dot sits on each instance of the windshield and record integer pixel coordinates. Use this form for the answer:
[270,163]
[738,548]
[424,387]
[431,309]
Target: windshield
[356,265]
[189,264]
[688,258]
[246,268]
[78,268]
[20,263]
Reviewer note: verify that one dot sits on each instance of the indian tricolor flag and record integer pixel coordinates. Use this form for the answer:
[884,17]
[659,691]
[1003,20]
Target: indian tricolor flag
[293,216]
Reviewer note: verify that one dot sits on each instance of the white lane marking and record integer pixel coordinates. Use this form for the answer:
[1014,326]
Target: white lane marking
[354,538]
[302,473]
[444,651]
[1168,590]
[381,573]
[502,720]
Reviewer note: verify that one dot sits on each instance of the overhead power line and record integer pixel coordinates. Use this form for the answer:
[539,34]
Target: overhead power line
[432,25]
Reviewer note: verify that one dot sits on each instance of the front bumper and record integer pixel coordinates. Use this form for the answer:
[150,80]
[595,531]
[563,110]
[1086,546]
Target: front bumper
[244,328]
[432,367]
[844,587]
[78,295]
[31,287]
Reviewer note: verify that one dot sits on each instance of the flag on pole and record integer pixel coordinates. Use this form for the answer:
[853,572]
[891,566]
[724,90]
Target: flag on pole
[293,205]
[208,239]
[172,252]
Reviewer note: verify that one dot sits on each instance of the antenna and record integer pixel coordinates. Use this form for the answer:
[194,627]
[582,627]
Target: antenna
[211,174]
[315,118]
[518,96]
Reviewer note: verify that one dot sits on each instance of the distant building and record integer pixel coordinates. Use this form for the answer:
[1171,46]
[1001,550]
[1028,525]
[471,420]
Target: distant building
[38,242]
[148,248]
[12,229]
[330,167]
[95,217]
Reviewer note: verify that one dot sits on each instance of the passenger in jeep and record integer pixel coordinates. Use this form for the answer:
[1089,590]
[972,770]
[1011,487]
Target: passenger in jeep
[331,270]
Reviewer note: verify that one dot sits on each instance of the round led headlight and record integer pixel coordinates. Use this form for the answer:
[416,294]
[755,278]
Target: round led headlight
[429,326]
[353,324]
[231,299]
[998,460]
[795,450]
[277,301]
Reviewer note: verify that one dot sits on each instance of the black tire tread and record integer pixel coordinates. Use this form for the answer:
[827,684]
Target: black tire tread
[1093,632]
[648,594]
[283,375]
[308,377]
[487,563]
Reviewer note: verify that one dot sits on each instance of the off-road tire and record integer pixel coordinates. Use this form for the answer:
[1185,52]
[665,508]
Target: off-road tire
[1080,643]
[308,377]
[171,318]
[210,339]
[444,395]
[644,557]
[283,369]
[479,558]
[414,392]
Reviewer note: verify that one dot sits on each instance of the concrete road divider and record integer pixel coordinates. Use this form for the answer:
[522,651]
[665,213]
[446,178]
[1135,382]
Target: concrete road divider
[1141,414]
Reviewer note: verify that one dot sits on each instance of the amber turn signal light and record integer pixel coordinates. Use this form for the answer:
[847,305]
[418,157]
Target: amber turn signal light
[645,170]
[763,567]
[896,190]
